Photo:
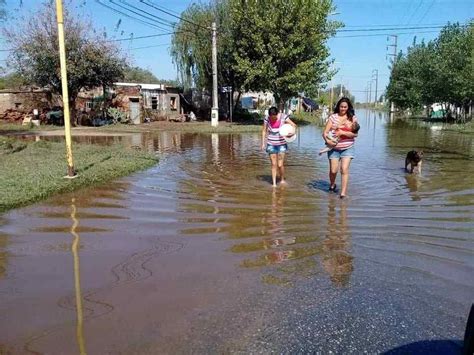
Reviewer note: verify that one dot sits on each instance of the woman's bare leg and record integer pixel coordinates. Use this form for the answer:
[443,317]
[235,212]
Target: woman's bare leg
[274,161]
[281,167]
[345,164]
[333,168]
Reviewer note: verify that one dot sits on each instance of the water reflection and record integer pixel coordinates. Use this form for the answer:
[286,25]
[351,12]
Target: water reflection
[406,233]
[337,260]
[77,280]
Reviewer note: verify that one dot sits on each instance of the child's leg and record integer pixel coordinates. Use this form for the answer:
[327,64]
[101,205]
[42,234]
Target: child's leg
[324,150]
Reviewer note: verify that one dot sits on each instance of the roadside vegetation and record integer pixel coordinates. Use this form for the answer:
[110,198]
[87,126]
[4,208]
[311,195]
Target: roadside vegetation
[438,72]
[32,171]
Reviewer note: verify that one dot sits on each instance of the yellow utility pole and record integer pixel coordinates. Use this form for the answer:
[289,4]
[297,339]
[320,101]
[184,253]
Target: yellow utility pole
[62,58]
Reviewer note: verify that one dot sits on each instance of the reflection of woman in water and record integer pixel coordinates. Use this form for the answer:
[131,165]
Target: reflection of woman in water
[274,228]
[337,260]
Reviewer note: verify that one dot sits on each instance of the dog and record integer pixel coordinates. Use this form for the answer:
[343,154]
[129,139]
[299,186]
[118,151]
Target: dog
[414,159]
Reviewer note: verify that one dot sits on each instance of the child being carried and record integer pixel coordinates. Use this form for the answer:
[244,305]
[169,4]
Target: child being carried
[333,137]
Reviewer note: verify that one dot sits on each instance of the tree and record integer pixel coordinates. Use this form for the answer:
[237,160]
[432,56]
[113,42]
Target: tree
[263,45]
[437,72]
[92,61]
[191,46]
[280,45]
[11,81]
[144,76]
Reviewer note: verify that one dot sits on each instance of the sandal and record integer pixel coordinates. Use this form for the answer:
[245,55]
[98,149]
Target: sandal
[332,188]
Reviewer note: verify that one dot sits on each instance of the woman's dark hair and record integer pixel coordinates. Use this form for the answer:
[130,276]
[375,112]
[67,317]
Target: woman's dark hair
[273,111]
[350,108]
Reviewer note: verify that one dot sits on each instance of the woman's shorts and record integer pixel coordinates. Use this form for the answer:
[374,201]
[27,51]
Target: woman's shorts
[338,154]
[275,149]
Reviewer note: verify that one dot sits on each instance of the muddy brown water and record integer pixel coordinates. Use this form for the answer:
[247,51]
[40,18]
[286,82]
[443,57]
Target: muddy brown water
[200,254]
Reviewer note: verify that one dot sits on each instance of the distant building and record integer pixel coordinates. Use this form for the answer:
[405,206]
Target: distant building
[139,100]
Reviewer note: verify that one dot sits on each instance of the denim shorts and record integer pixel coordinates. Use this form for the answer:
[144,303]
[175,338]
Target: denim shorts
[338,154]
[275,149]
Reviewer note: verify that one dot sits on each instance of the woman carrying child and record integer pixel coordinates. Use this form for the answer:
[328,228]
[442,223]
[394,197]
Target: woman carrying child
[343,123]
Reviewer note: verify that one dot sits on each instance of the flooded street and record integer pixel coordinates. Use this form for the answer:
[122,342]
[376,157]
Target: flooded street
[200,254]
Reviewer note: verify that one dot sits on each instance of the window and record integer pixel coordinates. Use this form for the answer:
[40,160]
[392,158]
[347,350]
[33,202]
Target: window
[173,103]
[154,103]
[89,105]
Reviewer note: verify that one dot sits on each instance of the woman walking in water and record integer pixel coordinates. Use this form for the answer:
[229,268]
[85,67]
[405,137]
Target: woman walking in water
[341,154]
[274,143]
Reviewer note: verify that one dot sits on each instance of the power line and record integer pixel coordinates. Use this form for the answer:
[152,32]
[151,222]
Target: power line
[385,34]
[152,17]
[140,37]
[392,25]
[129,16]
[159,8]
[414,12]
[390,29]
[427,10]
[152,46]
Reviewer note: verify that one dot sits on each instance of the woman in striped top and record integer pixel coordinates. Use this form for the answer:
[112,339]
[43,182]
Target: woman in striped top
[274,143]
[342,152]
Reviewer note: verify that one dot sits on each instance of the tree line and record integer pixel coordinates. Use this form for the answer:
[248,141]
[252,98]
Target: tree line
[279,46]
[438,72]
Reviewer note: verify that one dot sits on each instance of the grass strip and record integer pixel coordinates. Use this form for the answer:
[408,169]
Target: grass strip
[33,171]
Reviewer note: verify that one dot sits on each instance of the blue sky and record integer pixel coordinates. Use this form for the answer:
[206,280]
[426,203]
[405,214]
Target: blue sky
[356,53]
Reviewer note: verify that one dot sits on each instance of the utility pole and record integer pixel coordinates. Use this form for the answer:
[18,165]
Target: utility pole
[215,104]
[376,83]
[71,173]
[340,92]
[369,84]
[394,45]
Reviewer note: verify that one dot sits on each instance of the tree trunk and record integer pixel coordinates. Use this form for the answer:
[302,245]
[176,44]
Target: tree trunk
[238,99]
[72,111]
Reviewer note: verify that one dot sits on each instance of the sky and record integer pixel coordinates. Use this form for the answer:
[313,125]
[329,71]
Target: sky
[360,50]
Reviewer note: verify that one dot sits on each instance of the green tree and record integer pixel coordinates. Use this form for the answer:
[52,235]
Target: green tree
[191,46]
[11,81]
[268,45]
[280,45]
[440,71]
[92,61]
[144,76]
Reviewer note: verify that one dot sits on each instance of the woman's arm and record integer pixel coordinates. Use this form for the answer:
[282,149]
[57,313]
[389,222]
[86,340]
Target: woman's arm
[327,128]
[288,120]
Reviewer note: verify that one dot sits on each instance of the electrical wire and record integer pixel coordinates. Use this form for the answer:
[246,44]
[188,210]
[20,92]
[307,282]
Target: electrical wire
[151,18]
[131,17]
[169,13]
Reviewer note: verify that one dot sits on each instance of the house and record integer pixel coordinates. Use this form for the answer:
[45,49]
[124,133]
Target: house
[25,100]
[144,100]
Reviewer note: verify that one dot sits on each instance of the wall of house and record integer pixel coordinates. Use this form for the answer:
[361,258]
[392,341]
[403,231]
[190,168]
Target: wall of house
[26,101]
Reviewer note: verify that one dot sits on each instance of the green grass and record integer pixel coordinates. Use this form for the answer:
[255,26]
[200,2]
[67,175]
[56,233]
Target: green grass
[194,127]
[33,171]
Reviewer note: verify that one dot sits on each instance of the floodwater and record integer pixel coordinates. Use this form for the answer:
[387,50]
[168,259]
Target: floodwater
[199,254]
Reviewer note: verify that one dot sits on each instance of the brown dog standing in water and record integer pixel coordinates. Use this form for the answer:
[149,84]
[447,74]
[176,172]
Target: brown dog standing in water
[414,159]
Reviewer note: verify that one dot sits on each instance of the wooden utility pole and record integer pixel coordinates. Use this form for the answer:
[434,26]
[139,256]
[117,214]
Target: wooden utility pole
[71,173]
[215,103]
